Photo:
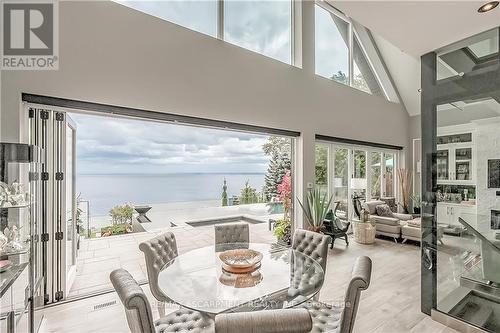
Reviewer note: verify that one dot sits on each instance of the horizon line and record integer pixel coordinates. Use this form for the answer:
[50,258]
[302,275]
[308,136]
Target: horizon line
[171,173]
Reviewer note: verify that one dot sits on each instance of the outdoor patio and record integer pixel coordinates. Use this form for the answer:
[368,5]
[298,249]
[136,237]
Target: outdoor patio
[97,257]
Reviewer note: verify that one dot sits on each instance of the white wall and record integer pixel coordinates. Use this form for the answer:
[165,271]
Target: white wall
[487,141]
[115,55]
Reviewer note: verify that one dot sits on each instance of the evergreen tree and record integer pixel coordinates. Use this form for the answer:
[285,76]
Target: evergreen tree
[224,194]
[248,195]
[278,166]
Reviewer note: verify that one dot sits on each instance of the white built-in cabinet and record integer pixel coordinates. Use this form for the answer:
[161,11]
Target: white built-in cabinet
[455,156]
[448,213]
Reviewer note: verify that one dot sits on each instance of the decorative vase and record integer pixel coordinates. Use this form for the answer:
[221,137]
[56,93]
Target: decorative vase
[364,232]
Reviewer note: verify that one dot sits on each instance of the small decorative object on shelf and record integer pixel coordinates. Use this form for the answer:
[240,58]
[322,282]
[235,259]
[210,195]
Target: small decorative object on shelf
[5,265]
[13,195]
[13,244]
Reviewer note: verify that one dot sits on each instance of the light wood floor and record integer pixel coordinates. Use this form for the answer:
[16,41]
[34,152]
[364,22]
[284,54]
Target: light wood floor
[391,304]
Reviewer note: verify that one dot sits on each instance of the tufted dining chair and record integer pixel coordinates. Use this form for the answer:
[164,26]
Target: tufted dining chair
[340,319]
[158,252]
[315,246]
[232,233]
[312,244]
[139,314]
[266,321]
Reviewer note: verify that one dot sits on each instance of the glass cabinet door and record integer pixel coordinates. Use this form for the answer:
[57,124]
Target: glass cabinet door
[442,163]
[463,164]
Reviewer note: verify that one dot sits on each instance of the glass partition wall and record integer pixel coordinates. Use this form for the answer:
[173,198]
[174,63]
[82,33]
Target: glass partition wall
[461,183]
[348,171]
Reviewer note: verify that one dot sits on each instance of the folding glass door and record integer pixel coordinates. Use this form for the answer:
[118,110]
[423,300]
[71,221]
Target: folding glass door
[57,138]
[346,172]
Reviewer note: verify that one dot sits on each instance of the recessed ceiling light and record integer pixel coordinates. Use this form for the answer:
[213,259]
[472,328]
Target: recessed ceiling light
[488,6]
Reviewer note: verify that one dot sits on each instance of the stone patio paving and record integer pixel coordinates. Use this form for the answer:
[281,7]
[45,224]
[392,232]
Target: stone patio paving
[99,256]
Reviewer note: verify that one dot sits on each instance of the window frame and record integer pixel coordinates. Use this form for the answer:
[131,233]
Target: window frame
[351,148]
[292,20]
[351,35]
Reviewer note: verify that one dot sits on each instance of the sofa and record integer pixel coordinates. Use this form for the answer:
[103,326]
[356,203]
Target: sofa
[389,226]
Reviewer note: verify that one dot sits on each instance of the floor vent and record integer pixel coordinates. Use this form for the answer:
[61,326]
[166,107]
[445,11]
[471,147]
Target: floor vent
[104,305]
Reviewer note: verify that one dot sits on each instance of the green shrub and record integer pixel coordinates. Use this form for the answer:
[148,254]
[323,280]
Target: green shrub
[117,229]
[121,214]
[282,230]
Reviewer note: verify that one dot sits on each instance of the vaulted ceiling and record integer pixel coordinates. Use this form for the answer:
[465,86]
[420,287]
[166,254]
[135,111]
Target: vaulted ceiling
[405,30]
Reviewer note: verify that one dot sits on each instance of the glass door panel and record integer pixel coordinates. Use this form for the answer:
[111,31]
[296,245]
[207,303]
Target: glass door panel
[358,180]
[389,175]
[376,175]
[442,164]
[70,204]
[341,179]
[463,163]
[321,167]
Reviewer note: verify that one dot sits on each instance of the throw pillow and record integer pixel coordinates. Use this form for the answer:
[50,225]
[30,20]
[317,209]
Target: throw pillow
[414,223]
[384,210]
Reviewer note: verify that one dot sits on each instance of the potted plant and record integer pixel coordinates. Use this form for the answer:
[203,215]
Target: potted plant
[315,209]
[283,231]
[417,202]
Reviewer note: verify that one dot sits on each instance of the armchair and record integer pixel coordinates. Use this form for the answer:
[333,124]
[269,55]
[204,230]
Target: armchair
[334,227]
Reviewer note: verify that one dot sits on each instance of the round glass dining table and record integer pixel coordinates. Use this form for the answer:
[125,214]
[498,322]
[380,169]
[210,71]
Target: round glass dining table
[285,278]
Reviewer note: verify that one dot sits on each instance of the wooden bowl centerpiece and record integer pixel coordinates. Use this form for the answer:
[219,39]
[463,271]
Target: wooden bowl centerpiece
[240,261]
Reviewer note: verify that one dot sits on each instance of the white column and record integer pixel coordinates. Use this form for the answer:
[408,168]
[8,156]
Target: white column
[304,173]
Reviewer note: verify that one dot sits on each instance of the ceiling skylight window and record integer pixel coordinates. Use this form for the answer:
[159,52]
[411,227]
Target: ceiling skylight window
[198,15]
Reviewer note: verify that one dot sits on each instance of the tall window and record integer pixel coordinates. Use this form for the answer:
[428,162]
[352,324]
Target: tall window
[339,53]
[261,26]
[332,50]
[389,175]
[196,15]
[341,178]
[376,171]
[321,167]
[363,77]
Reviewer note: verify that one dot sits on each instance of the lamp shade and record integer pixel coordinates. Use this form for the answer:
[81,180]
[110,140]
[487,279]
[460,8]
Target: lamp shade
[337,182]
[358,183]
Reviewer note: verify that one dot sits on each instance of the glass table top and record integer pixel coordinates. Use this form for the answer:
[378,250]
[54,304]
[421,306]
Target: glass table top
[285,278]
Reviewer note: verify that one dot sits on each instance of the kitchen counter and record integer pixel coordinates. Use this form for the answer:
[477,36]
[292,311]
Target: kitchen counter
[457,204]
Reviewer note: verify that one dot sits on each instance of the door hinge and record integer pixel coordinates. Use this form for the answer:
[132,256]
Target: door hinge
[33,176]
[59,116]
[45,176]
[59,295]
[59,176]
[45,237]
[59,235]
[44,114]
[31,113]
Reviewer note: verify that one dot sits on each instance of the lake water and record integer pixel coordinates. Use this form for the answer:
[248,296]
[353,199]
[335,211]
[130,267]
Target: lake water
[106,191]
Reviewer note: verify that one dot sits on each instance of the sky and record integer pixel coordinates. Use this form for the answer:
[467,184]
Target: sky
[108,145]
[262,26]
[122,146]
